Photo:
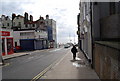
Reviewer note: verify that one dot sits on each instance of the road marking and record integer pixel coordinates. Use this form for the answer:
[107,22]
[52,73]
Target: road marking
[48,68]
[55,50]
[6,64]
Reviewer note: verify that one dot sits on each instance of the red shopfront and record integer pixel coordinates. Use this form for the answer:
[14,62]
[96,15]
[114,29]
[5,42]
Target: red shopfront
[7,43]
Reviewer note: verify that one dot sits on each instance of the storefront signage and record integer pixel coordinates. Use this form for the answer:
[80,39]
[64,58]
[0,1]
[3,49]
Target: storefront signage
[5,33]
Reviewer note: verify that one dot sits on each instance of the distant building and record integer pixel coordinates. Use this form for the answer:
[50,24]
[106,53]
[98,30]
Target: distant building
[6,22]
[52,23]
[18,23]
[30,29]
[30,39]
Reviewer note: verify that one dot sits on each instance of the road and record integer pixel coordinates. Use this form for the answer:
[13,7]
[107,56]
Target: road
[27,67]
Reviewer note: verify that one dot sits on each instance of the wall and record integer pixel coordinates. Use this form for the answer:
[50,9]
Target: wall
[6,20]
[17,20]
[110,26]
[52,23]
[106,58]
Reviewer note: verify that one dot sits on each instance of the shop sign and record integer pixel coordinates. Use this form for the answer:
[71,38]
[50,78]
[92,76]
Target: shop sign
[5,33]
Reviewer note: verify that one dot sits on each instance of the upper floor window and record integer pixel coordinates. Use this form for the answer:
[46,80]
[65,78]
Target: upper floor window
[3,25]
[19,23]
[33,25]
[8,24]
[112,8]
[17,17]
[14,23]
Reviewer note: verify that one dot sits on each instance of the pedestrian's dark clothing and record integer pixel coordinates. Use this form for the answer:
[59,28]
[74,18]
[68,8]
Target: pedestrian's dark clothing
[74,51]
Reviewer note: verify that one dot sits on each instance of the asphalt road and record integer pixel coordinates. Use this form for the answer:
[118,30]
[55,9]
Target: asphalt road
[27,67]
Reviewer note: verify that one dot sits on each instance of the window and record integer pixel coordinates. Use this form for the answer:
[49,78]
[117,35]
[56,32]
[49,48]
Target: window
[112,8]
[3,25]
[33,25]
[17,17]
[7,24]
[14,23]
[15,43]
[26,25]
[19,23]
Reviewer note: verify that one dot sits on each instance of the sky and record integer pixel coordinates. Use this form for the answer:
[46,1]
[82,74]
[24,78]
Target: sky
[64,12]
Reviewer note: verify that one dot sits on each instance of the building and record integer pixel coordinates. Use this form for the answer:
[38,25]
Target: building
[26,30]
[6,22]
[50,37]
[7,41]
[6,35]
[51,24]
[30,39]
[18,22]
[84,26]
[98,31]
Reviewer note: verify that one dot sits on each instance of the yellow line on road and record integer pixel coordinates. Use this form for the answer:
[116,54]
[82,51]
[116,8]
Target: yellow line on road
[45,70]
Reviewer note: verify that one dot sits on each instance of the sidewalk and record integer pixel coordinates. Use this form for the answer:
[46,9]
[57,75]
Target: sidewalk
[15,55]
[66,68]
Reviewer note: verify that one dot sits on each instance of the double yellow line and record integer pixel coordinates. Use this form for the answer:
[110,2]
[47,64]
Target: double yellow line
[45,70]
[42,73]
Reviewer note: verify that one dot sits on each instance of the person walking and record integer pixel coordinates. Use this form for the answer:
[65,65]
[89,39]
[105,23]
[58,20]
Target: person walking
[74,51]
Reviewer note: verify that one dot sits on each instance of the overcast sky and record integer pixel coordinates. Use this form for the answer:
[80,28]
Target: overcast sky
[64,12]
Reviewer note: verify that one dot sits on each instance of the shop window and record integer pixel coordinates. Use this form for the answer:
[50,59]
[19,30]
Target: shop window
[26,25]
[3,45]
[15,43]
[10,46]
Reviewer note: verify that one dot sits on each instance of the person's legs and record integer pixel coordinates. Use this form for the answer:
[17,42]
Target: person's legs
[74,56]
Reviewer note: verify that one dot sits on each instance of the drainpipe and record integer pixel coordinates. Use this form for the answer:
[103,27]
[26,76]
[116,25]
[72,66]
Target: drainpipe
[92,38]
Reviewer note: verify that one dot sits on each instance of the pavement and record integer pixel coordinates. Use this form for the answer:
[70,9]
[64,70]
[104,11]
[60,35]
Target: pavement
[67,68]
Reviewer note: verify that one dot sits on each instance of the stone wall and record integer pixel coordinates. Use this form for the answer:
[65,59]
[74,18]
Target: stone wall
[106,59]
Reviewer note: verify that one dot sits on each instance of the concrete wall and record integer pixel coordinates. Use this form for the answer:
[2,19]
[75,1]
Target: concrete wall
[110,26]
[107,61]
[95,22]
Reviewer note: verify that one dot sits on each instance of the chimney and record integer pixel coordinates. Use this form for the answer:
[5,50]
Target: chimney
[47,16]
[31,18]
[13,16]
[25,17]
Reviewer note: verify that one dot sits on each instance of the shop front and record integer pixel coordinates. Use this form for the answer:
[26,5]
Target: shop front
[7,42]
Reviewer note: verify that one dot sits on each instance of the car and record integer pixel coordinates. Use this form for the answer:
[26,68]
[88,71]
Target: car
[66,46]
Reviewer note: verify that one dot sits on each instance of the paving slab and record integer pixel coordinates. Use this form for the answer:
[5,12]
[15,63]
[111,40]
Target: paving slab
[70,69]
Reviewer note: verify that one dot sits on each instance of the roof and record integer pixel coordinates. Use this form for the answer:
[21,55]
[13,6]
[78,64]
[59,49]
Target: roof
[31,22]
